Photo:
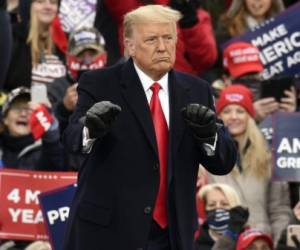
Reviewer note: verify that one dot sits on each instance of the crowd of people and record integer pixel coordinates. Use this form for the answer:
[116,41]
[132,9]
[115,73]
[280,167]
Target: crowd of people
[244,209]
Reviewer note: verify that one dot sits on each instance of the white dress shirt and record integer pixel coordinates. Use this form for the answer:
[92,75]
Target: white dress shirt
[163,95]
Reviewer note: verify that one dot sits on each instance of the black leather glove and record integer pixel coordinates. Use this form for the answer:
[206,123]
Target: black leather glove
[100,117]
[188,10]
[238,218]
[201,120]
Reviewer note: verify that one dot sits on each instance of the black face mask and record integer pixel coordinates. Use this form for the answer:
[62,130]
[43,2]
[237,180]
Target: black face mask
[218,219]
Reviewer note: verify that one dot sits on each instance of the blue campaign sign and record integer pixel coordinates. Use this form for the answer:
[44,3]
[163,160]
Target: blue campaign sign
[55,205]
[278,40]
[286,147]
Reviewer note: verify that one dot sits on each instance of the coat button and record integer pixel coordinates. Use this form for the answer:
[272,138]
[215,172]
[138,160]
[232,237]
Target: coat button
[147,210]
[156,166]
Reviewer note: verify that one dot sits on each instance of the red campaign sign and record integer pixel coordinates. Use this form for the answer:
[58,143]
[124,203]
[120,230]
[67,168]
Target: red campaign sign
[20,214]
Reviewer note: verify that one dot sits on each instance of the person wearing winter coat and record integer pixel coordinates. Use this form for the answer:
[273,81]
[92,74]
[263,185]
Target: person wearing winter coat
[268,201]
[241,17]
[295,220]
[224,215]
[23,142]
[29,140]
[35,58]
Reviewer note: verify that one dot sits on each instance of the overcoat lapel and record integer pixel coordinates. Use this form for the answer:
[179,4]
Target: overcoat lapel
[178,98]
[134,95]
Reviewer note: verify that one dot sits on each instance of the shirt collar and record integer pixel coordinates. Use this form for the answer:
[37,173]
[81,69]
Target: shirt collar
[147,81]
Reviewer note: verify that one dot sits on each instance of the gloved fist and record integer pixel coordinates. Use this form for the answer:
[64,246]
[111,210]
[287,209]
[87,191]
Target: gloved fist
[100,117]
[201,120]
[188,9]
[238,218]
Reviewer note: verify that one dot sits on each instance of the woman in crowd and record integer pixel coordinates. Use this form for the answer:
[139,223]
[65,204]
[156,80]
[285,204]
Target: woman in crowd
[268,201]
[223,214]
[245,15]
[35,58]
[241,16]
[29,139]
[27,142]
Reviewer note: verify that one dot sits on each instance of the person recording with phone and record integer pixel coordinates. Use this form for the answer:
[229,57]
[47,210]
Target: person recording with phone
[294,242]
[242,64]
[144,128]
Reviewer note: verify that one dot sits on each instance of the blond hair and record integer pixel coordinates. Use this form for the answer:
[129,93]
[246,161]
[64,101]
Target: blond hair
[230,194]
[40,39]
[149,14]
[234,18]
[254,152]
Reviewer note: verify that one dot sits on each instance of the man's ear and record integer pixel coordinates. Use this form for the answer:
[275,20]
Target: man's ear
[129,46]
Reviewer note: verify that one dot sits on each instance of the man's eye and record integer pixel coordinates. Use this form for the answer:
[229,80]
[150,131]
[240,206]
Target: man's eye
[152,39]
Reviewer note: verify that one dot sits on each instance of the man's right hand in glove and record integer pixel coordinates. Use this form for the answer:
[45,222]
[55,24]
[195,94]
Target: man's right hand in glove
[100,117]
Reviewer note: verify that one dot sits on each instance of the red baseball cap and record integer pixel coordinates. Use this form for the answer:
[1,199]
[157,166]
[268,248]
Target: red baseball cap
[236,94]
[250,235]
[242,58]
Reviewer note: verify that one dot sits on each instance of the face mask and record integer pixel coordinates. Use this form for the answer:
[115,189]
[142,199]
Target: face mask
[218,219]
[77,67]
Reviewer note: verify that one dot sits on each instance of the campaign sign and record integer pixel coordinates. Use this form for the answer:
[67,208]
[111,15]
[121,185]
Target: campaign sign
[75,14]
[286,146]
[20,214]
[55,206]
[278,40]
[266,127]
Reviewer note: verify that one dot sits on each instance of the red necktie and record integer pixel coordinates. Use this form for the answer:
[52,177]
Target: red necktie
[161,132]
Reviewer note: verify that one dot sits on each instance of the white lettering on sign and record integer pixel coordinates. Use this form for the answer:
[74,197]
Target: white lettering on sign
[288,162]
[31,196]
[14,195]
[43,120]
[292,147]
[25,216]
[61,214]
[272,35]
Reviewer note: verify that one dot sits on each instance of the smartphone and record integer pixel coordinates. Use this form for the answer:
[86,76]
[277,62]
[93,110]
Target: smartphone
[293,236]
[276,87]
[39,94]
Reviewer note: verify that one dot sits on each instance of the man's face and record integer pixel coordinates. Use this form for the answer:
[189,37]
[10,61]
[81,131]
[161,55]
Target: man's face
[152,47]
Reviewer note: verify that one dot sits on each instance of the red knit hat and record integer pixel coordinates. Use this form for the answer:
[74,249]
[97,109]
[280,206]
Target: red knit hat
[236,94]
[242,58]
[250,235]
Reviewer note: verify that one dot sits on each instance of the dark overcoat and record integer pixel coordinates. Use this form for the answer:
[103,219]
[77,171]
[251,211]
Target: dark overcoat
[119,180]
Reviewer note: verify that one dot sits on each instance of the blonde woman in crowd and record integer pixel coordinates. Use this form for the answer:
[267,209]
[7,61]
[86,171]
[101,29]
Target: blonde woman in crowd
[223,214]
[35,58]
[241,16]
[244,15]
[268,201]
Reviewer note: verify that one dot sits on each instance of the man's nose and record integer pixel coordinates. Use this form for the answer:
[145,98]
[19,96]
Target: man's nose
[161,44]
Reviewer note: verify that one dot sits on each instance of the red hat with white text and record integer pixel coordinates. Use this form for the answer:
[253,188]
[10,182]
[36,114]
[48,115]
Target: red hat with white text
[242,58]
[236,94]
[250,235]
